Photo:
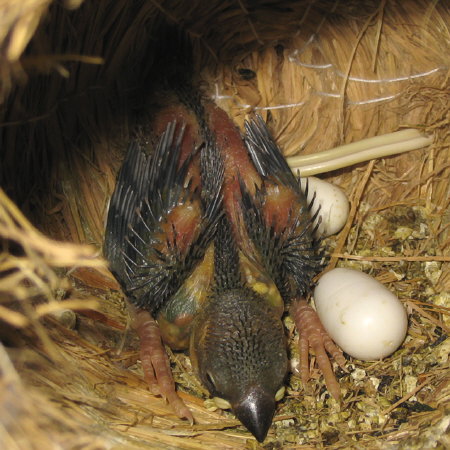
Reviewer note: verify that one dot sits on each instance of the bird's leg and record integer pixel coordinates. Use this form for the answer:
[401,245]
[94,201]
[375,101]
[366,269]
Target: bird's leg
[155,362]
[313,335]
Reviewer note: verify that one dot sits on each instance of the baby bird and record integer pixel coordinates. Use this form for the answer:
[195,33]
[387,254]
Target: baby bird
[210,237]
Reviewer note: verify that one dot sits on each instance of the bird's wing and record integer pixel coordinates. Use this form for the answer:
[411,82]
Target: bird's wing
[131,184]
[278,216]
[158,229]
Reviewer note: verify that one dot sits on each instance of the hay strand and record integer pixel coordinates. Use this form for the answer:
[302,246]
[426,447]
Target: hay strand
[324,74]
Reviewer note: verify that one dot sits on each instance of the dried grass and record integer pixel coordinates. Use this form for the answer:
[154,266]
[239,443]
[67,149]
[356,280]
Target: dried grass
[340,75]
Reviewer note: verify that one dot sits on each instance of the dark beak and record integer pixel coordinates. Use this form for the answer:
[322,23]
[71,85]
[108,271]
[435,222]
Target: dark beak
[256,412]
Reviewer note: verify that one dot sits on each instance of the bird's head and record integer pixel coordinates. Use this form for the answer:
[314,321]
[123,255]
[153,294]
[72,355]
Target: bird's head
[238,348]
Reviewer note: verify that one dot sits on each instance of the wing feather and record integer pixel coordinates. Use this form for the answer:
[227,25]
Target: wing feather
[158,229]
[278,216]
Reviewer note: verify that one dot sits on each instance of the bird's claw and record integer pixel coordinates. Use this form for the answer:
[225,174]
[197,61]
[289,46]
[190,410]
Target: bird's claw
[156,365]
[313,335]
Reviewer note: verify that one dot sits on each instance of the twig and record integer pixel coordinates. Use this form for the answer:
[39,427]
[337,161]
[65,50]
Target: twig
[405,398]
[354,206]
[391,258]
[428,316]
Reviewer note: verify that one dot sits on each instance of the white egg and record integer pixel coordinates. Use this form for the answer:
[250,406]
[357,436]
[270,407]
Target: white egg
[360,314]
[333,203]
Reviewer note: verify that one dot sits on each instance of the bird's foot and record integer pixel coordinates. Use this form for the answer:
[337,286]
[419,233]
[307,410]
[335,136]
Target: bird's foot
[312,335]
[155,363]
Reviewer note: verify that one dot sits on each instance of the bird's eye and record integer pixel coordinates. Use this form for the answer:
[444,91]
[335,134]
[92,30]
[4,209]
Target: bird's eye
[222,403]
[280,393]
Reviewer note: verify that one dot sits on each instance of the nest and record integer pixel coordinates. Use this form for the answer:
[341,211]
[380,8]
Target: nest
[322,73]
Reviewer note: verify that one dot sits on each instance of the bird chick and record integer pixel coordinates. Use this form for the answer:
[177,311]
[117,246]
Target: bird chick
[176,257]
[210,238]
[209,245]
[238,345]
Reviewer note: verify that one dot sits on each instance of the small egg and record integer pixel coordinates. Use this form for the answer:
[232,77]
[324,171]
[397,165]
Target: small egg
[333,203]
[360,314]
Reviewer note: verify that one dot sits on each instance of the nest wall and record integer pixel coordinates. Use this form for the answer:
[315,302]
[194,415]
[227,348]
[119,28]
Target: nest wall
[75,78]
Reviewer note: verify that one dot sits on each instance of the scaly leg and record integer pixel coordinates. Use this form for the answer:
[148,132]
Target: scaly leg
[155,362]
[312,334]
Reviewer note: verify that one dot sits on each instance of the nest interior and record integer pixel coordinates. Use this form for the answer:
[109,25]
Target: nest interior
[75,77]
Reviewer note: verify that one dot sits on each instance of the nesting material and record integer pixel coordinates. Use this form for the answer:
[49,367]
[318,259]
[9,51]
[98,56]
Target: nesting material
[322,73]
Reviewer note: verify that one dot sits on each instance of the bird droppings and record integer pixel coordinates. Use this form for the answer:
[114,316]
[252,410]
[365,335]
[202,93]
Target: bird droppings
[433,271]
[358,374]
